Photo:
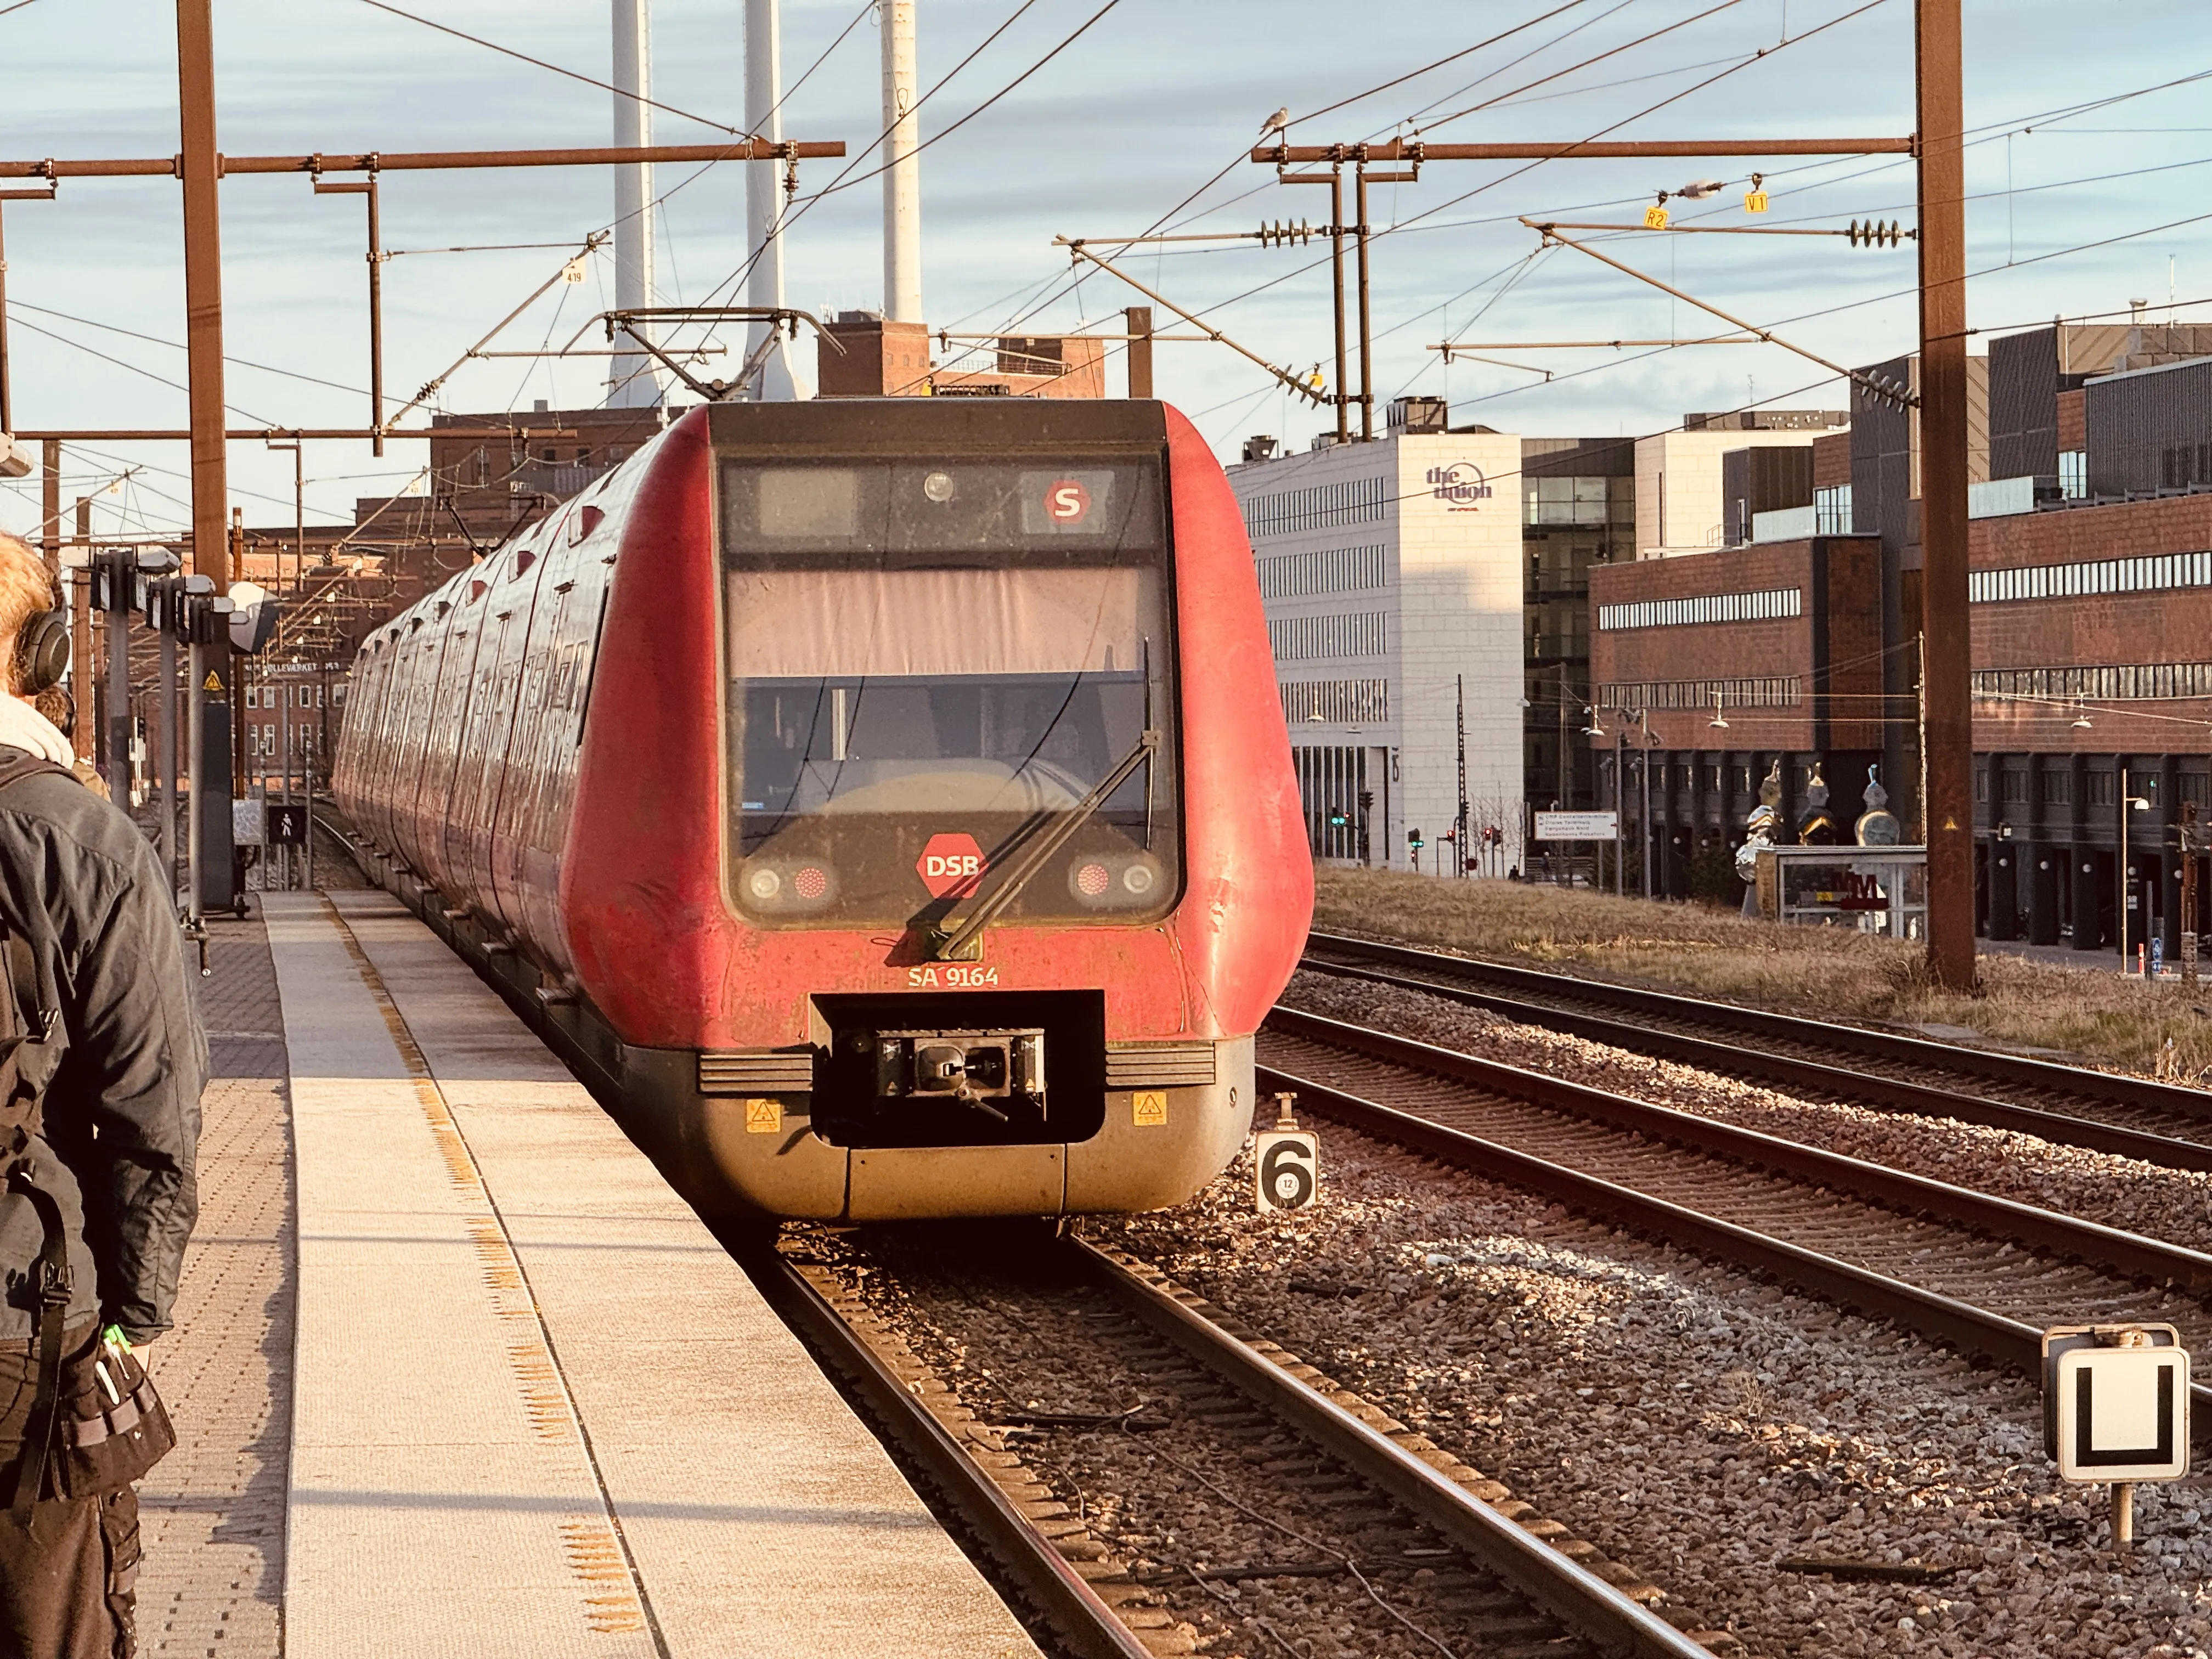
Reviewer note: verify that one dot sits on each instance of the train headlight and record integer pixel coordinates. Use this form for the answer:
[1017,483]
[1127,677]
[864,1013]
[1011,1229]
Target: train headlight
[1113,881]
[782,887]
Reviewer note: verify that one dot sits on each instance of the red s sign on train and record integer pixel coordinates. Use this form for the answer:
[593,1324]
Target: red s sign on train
[1067,503]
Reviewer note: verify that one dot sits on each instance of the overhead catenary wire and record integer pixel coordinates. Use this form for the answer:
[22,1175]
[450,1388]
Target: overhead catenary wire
[1566,148]
[589,81]
[16,305]
[1611,52]
[866,6]
[842,181]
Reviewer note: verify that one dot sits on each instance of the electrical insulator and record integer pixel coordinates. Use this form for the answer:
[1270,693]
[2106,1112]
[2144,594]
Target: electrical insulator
[1873,233]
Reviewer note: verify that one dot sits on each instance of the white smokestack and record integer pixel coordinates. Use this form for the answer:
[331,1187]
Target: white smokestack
[902,172]
[636,382]
[782,378]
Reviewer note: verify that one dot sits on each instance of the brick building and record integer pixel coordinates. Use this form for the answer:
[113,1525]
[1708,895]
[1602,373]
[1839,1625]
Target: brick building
[1731,660]
[2090,612]
[862,355]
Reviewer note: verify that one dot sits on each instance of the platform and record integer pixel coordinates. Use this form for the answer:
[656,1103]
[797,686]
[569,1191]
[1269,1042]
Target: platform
[496,1390]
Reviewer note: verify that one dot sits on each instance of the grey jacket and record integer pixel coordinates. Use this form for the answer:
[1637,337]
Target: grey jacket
[124,1070]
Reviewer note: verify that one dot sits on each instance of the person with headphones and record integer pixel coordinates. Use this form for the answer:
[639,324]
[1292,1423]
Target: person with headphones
[102,1060]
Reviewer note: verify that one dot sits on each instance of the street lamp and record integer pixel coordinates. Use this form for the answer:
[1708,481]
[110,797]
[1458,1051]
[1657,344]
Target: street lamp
[2128,803]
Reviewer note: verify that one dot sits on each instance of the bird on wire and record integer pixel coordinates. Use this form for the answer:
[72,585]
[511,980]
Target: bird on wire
[1276,122]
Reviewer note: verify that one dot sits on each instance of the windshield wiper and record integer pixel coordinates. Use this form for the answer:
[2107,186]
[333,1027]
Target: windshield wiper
[962,943]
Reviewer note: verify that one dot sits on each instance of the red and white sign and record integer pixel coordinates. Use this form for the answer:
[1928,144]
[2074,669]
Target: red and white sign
[1067,503]
[951,866]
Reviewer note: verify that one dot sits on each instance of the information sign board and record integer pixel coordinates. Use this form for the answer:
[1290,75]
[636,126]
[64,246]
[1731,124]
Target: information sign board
[1577,826]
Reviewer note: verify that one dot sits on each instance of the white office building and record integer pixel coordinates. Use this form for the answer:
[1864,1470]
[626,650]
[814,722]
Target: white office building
[1391,574]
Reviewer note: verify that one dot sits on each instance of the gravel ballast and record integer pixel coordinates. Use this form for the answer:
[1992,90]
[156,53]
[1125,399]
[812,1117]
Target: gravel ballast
[2175,1204]
[1698,1428]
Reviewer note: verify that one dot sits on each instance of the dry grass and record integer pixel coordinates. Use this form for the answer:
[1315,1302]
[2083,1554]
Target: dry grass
[1818,972]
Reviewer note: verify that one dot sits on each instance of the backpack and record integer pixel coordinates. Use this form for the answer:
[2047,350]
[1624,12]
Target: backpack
[117,1426]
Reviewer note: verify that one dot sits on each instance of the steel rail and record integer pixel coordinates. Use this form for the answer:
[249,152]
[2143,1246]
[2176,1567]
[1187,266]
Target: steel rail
[2005,1341]
[1894,1094]
[2129,1255]
[2109,1087]
[1076,1611]
[1593,1609]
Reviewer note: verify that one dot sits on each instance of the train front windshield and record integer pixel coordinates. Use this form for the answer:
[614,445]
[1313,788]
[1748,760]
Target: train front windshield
[935,668]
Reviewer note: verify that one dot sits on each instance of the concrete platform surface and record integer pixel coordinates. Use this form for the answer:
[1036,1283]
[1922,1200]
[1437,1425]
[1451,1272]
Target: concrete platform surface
[537,1410]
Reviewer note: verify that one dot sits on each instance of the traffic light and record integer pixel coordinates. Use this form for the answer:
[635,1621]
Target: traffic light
[1336,818]
[1367,801]
[1413,839]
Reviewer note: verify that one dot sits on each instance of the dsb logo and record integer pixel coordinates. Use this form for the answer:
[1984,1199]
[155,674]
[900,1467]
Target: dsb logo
[951,866]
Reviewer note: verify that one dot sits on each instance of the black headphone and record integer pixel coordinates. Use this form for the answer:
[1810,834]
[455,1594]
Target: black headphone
[42,651]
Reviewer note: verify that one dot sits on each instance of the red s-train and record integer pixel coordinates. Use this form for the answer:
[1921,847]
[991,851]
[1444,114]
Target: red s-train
[886,805]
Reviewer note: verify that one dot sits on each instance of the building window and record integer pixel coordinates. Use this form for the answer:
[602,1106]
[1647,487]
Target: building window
[1778,691]
[1831,511]
[2013,789]
[2074,474]
[1318,506]
[1981,785]
[2153,573]
[1294,638]
[1703,608]
[2098,789]
[1340,701]
[2057,789]
[2147,682]
[1331,570]
[1330,784]
[2194,788]
[1563,500]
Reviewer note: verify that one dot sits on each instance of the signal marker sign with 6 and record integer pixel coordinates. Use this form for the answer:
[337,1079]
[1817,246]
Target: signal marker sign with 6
[1288,1166]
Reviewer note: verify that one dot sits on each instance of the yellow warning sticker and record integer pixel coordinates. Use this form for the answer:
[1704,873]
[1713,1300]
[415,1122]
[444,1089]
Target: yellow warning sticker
[763,1117]
[213,682]
[1148,1107]
[1755,201]
[1655,218]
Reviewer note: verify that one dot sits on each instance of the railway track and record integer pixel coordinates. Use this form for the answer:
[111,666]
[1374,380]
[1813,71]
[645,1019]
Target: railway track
[1959,1267]
[2133,1117]
[1315,1511]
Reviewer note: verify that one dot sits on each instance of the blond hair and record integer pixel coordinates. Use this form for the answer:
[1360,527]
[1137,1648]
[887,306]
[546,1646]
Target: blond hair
[25,589]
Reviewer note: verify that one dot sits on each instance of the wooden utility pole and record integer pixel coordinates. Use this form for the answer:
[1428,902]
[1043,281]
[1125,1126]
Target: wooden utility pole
[1139,319]
[1946,711]
[84,680]
[50,502]
[198,166]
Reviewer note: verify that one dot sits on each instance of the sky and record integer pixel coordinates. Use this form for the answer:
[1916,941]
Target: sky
[2087,171]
